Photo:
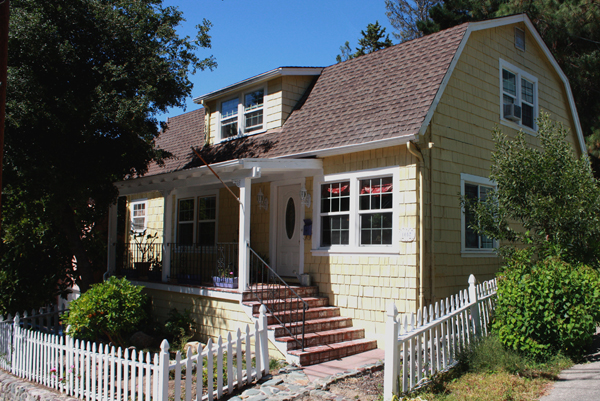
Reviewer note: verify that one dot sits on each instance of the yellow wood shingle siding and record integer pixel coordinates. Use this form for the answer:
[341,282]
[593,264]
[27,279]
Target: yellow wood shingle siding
[362,285]
[283,93]
[212,317]
[461,130]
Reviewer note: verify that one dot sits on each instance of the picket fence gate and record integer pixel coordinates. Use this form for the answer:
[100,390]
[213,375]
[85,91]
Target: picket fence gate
[98,372]
[418,347]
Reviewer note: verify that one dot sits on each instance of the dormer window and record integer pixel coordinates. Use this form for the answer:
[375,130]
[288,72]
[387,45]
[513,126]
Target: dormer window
[253,110]
[243,114]
[229,118]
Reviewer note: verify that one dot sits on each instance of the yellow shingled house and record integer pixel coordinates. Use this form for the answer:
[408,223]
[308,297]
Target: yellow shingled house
[330,192]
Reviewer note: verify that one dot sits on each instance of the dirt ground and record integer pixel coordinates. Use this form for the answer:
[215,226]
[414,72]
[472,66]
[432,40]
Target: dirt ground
[368,387]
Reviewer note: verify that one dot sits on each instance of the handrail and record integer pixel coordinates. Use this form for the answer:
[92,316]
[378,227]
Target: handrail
[274,286]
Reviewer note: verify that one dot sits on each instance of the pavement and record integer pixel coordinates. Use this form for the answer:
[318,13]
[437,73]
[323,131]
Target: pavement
[292,382]
[582,381]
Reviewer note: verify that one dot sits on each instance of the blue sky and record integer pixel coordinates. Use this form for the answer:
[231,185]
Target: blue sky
[250,37]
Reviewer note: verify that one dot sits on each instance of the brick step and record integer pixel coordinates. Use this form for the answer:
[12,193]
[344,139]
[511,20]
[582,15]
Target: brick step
[324,353]
[281,292]
[293,316]
[288,303]
[324,337]
[311,326]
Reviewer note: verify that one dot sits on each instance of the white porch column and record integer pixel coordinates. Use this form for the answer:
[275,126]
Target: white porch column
[112,239]
[245,186]
[167,234]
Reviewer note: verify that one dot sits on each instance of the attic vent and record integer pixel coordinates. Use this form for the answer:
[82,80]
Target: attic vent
[520,39]
[512,112]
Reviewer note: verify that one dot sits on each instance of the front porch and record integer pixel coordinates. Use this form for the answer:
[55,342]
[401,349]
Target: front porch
[198,226]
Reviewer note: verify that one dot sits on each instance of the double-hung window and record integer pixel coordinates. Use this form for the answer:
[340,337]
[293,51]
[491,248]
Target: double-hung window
[518,96]
[242,114]
[139,210]
[357,212]
[197,220]
[475,188]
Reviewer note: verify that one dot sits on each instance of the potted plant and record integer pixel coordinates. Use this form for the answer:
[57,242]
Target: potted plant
[225,278]
[145,251]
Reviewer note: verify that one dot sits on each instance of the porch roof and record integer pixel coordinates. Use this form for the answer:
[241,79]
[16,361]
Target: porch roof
[259,169]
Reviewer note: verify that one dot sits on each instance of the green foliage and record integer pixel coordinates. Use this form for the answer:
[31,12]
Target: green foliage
[553,197]
[87,79]
[404,15]
[371,41]
[34,267]
[179,328]
[112,308]
[548,306]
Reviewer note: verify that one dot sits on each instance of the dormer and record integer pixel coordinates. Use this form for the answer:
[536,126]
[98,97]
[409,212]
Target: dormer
[255,105]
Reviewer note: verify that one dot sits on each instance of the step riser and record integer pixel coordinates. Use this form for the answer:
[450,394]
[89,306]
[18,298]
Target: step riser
[310,327]
[279,306]
[327,339]
[283,293]
[336,353]
[297,317]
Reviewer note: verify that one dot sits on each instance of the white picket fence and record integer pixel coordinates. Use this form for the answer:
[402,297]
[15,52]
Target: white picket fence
[99,372]
[417,347]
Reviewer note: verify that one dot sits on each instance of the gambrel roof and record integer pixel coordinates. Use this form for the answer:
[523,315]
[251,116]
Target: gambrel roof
[381,99]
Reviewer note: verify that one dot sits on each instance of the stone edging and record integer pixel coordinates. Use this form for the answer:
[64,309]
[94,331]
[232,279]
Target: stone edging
[13,388]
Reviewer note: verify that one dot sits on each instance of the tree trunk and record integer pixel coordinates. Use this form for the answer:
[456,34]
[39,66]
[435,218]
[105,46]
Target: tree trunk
[84,276]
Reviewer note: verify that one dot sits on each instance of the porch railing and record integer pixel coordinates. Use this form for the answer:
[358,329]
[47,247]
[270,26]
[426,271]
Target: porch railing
[141,261]
[210,265]
[282,302]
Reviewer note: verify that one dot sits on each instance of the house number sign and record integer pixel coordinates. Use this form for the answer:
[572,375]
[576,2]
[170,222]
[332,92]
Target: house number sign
[407,234]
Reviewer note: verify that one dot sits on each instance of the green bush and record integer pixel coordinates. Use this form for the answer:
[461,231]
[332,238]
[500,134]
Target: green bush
[112,308]
[548,306]
[179,328]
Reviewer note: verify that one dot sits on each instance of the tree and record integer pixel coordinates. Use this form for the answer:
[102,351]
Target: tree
[545,198]
[371,41]
[571,29]
[404,15]
[86,78]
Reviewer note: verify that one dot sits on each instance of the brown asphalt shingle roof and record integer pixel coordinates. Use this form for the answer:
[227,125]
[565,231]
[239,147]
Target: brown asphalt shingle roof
[381,95]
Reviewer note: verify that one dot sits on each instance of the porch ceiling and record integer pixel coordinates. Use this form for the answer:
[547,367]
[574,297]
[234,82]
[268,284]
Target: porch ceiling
[260,170]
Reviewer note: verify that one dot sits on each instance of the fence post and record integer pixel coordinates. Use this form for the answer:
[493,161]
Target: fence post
[264,340]
[163,388]
[14,346]
[392,360]
[474,306]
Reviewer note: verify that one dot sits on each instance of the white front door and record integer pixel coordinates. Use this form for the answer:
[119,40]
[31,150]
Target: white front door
[289,230]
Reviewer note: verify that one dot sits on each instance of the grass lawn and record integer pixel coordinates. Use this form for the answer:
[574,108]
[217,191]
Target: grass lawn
[489,372]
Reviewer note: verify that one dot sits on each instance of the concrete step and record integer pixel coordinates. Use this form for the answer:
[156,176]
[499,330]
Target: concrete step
[296,315]
[288,303]
[323,337]
[280,292]
[311,326]
[324,353]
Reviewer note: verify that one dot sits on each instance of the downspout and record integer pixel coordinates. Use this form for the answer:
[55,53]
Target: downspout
[416,152]
[431,221]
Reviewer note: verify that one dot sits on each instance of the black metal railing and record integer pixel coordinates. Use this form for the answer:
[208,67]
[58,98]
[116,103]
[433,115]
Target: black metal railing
[281,301]
[141,261]
[206,265]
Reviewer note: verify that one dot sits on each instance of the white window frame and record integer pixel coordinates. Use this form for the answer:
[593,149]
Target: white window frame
[520,74]
[195,196]
[241,114]
[132,205]
[471,252]
[354,246]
